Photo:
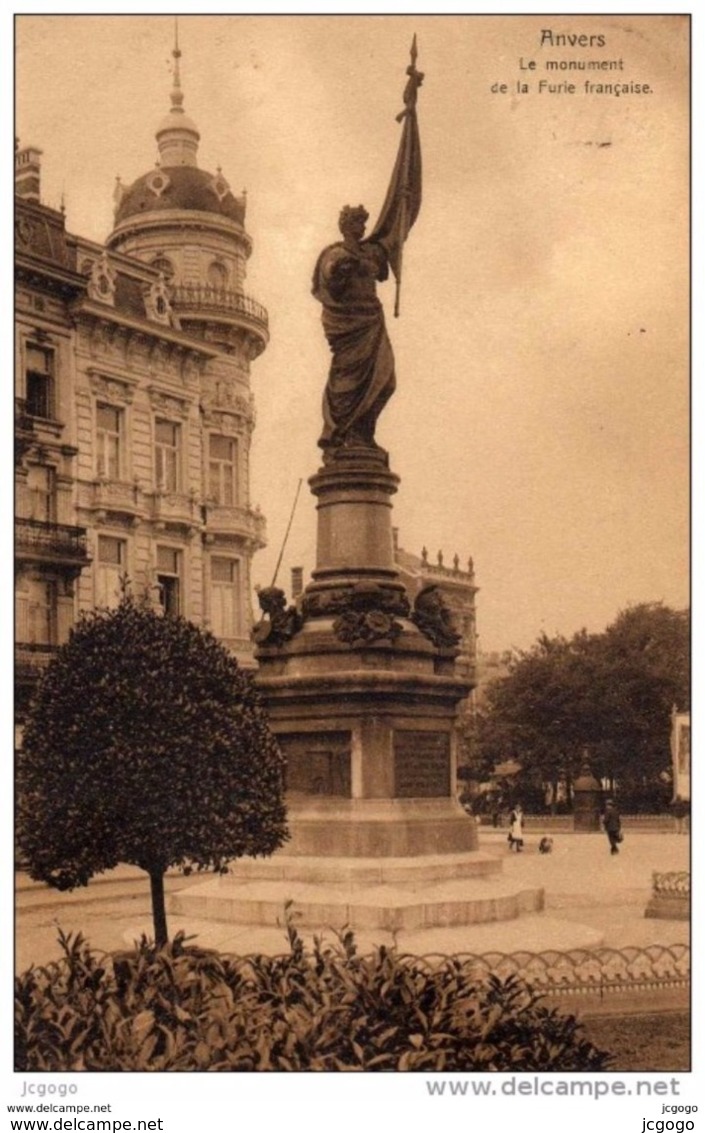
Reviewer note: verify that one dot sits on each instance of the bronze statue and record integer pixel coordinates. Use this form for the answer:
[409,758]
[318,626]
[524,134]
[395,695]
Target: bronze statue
[361,378]
[280,622]
[433,617]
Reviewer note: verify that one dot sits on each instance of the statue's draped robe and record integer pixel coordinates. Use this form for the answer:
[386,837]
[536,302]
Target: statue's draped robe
[361,378]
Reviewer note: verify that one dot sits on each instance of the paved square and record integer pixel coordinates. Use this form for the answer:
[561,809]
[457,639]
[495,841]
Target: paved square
[585,888]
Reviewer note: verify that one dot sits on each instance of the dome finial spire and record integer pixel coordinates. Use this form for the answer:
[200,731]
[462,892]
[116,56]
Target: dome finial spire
[177,95]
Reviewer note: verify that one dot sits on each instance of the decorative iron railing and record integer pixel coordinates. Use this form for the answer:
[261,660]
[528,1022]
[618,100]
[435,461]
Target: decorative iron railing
[646,823]
[600,972]
[197,296]
[46,539]
[30,659]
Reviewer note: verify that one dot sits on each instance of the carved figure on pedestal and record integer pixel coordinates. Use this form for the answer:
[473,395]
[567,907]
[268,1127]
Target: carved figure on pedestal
[362,378]
[280,622]
[432,616]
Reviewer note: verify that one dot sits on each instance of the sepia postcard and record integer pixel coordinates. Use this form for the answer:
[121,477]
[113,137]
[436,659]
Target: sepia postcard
[352,563]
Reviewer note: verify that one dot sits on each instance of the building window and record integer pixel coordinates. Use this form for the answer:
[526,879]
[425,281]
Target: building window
[225,598]
[169,579]
[222,466]
[110,570]
[39,382]
[41,493]
[217,275]
[37,614]
[166,455]
[109,441]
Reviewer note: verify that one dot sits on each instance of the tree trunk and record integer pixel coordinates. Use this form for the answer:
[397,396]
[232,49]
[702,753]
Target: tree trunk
[156,881]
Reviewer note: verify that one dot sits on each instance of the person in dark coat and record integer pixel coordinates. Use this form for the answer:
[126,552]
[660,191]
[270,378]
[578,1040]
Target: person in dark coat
[612,824]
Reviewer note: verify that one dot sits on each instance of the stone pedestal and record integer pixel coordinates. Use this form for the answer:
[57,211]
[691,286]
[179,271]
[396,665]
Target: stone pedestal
[363,704]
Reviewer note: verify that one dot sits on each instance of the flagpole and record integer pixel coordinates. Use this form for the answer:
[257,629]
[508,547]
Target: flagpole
[410,108]
[404,200]
[286,536]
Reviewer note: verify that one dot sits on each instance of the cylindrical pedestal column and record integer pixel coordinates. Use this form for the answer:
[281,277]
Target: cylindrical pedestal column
[354,540]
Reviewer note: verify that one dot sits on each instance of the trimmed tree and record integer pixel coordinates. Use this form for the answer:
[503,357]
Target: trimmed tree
[145,743]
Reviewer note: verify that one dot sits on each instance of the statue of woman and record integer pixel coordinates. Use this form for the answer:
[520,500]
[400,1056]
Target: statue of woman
[361,378]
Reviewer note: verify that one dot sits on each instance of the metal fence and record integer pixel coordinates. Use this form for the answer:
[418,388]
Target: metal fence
[600,973]
[563,823]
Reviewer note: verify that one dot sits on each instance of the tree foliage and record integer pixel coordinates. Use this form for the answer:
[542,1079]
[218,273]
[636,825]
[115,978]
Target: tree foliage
[609,693]
[145,744]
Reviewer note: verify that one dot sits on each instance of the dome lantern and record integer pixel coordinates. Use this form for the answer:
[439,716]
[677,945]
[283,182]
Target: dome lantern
[177,135]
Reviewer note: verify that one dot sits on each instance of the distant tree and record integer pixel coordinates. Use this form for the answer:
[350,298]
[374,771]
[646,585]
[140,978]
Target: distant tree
[145,743]
[642,670]
[611,693]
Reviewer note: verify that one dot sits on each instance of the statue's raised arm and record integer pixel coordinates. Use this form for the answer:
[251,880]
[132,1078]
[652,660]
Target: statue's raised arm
[362,378]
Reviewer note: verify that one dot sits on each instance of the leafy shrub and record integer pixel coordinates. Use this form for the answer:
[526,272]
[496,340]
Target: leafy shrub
[186,1008]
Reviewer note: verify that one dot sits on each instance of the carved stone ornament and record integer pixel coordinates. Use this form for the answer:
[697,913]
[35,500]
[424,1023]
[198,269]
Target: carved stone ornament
[434,619]
[168,404]
[280,622]
[359,627]
[110,388]
[23,231]
[101,285]
[158,182]
[364,597]
[220,186]
[157,304]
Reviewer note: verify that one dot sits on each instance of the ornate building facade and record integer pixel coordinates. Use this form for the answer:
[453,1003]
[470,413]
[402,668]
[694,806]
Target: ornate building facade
[134,412]
[456,585]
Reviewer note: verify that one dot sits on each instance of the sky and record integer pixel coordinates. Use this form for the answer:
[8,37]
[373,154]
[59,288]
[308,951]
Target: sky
[541,419]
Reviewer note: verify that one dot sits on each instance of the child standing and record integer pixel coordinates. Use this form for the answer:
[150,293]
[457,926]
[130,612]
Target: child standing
[516,829]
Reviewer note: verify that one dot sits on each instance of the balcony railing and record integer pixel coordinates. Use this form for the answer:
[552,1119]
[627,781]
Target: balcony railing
[51,541]
[31,659]
[202,297]
[244,521]
[115,496]
[178,508]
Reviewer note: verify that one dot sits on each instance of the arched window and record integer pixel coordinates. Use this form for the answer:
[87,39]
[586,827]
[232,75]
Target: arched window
[217,275]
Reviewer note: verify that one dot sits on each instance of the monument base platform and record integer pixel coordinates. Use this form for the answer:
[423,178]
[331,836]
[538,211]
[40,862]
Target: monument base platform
[394,894]
[377,828]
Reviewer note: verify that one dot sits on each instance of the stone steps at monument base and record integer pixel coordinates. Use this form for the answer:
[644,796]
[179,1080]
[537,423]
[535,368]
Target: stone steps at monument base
[390,907]
[367,871]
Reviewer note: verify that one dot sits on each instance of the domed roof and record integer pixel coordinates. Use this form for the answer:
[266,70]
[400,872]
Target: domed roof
[184,187]
[177,182]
